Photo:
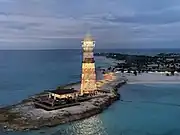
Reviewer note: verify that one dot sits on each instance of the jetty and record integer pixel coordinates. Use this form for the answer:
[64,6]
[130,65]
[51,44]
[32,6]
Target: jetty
[27,116]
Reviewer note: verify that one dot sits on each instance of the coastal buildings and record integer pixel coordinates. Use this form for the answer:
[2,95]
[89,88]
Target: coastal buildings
[162,62]
[108,76]
[88,77]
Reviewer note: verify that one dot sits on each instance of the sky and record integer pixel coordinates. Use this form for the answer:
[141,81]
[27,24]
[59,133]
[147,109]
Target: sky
[56,24]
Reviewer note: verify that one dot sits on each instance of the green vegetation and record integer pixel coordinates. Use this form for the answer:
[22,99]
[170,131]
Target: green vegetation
[143,63]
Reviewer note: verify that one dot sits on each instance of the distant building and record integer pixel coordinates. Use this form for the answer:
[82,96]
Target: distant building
[108,76]
[169,59]
[122,61]
[153,65]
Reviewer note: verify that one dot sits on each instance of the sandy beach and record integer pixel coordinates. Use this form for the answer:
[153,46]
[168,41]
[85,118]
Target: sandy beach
[30,117]
[150,78]
[143,78]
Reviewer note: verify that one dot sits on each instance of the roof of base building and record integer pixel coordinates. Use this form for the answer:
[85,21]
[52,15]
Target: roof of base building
[63,91]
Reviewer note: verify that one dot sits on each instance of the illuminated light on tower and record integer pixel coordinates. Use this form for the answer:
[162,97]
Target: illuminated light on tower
[108,76]
[88,78]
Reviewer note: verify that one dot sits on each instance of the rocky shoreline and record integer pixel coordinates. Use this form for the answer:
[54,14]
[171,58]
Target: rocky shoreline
[24,116]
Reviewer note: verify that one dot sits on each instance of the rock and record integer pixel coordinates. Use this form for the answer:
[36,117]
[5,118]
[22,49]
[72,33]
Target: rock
[5,127]
[9,130]
[25,116]
[3,118]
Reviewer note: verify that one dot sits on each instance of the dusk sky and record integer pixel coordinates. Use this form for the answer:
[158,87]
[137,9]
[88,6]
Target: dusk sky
[50,24]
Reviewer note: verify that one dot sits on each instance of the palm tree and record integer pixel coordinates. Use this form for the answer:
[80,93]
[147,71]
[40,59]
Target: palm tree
[135,73]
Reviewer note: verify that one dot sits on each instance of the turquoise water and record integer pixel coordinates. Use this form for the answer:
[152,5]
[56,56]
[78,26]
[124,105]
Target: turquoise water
[24,73]
[149,109]
[146,109]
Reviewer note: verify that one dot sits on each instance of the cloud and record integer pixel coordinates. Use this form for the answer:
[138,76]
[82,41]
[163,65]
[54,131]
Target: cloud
[63,23]
[159,17]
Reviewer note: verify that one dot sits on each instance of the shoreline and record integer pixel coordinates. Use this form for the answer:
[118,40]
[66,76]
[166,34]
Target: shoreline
[24,116]
[154,82]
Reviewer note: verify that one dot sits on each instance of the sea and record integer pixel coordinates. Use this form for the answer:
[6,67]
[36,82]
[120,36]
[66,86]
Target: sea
[144,109]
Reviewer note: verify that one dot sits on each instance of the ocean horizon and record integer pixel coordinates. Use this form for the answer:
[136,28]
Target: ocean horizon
[140,51]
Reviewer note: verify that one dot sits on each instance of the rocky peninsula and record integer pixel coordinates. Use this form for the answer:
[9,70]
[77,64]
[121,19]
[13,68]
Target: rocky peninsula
[24,115]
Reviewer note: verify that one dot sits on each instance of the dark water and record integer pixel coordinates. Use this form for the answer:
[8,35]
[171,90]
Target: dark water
[146,109]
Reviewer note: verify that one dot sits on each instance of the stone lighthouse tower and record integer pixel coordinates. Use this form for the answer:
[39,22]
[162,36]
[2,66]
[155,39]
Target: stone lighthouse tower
[88,78]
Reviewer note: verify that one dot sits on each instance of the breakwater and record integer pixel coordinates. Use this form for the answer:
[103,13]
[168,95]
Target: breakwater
[24,116]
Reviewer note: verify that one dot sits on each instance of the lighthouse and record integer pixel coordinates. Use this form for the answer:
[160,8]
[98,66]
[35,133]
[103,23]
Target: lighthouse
[88,77]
